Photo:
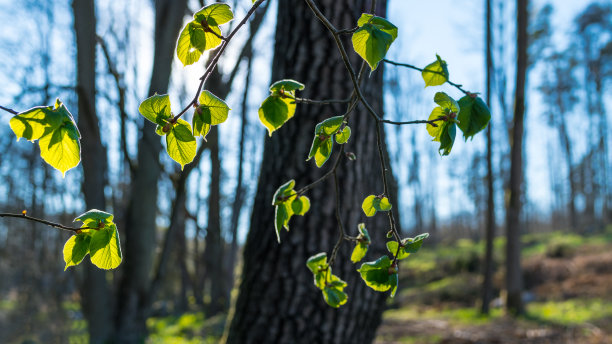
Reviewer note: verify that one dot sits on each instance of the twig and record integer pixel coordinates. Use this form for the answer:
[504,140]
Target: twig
[48,223]
[9,110]
[340,227]
[321,102]
[457,86]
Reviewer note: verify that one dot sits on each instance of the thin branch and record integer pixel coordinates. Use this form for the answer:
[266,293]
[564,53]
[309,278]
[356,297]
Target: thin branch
[215,60]
[321,102]
[457,86]
[342,236]
[48,223]
[9,110]
[419,121]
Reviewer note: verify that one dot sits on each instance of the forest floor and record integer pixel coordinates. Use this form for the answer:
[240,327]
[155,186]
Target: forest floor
[568,280]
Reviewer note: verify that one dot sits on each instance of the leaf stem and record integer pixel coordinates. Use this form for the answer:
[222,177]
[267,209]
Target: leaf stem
[457,86]
[9,110]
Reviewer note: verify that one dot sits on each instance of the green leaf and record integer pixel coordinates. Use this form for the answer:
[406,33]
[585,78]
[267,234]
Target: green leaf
[329,126]
[380,275]
[373,38]
[317,262]
[444,132]
[359,252]
[436,73]
[333,292]
[202,33]
[156,109]
[75,249]
[372,204]
[446,102]
[286,85]
[105,249]
[361,247]
[211,111]
[287,204]
[412,245]
[275,111]
[95,218]
[180,143]
[392,247]
[474,115]
[300,205]
[343,136]
[283,191]
[56,132]
[322,144]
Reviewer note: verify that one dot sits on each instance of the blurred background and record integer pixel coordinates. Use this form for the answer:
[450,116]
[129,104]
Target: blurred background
[566,197]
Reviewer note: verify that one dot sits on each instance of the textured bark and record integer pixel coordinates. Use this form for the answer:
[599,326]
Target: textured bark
[487,284]
[95,293]
[278,302]
[514,280]
[140,226]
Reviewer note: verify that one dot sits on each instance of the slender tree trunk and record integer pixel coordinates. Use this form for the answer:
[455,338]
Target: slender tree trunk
[213,254]
[514,280]
[95,291]
[140,226]
[278,302]
[487,285]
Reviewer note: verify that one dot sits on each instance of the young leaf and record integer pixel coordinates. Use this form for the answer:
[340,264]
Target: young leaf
[94,218]
[474,115]
[279,107]
[287,204]
[380,275]
[412,245]
[180,143]
[211,111]
[436,73]
[105,249]
[343,136]
[202,33]
[156,109]
[75,249]
[363,241]
[445,129]
[373,38]
[317,264]
[333,292]
[372,204]
[392,247]
[446,102]
[322,143]
[56,131]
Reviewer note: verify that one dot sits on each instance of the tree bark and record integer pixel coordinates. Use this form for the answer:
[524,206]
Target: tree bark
[487,284]
[95,290]
[140,229]
[278,302]
[514,280]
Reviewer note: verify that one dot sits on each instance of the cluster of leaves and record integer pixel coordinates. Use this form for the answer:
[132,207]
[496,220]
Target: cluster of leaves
[59,142]
[331,285]
[470,113]
[287,203]
[326,132]
[97,237]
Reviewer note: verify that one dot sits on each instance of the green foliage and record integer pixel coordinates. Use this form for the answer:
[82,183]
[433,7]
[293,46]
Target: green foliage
[362,244]
[331,285]
[343,136]
[322,142]
[97,237]
[288,203]
[372,204]
[202,33]
[380,275]
[436,73]
[408,246]
[373,38]
[56,132]
[279,107]
[474,115]
[180,142]
[445,129]
[211,111]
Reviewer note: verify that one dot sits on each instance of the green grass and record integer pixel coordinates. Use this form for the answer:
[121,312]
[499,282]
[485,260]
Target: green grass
[460,316]
[570,312]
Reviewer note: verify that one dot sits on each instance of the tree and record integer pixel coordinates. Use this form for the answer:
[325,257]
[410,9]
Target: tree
[514,280]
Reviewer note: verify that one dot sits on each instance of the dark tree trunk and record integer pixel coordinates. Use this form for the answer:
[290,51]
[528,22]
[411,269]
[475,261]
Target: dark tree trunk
[140,228]
[487,284]
[95,292]
[514,280]
[278,302]
[213,254]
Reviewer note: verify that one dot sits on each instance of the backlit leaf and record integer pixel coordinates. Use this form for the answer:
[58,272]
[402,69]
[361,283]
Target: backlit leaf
[180,143]
[473,116]
[436,73]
